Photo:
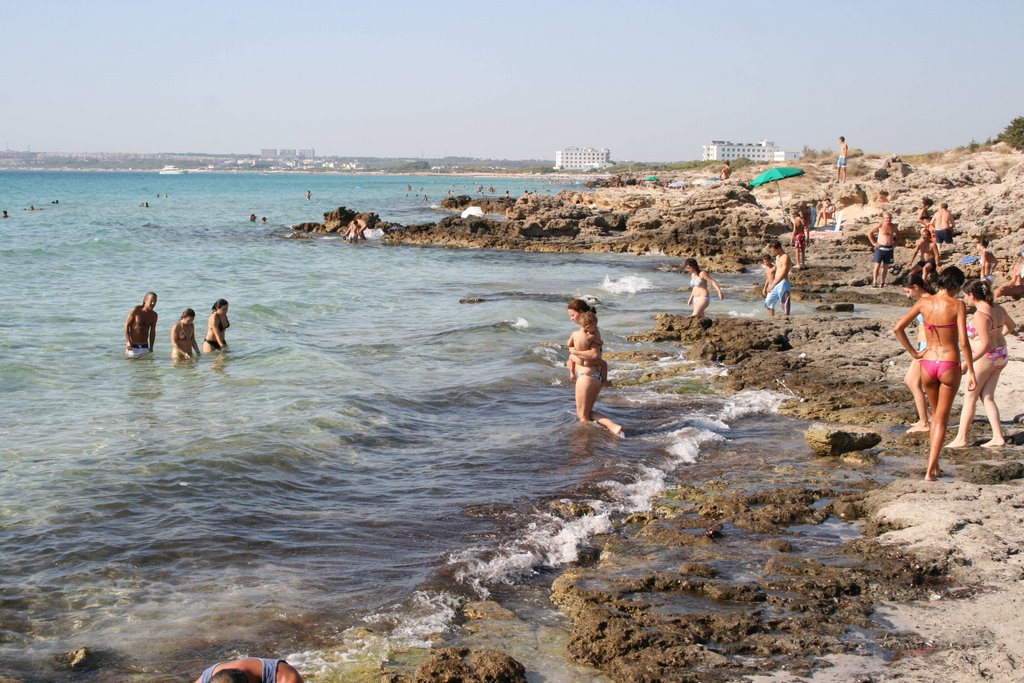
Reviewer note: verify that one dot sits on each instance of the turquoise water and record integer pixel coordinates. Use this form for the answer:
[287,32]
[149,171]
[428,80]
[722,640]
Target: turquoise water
[369,453]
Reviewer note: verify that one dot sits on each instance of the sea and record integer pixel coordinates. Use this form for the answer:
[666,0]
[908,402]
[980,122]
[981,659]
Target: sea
[368,455]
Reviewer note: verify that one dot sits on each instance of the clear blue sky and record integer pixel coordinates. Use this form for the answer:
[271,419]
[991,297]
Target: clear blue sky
[651,80]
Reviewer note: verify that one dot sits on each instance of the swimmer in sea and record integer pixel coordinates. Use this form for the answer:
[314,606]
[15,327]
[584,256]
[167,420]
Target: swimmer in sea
[216,324]
[183,337]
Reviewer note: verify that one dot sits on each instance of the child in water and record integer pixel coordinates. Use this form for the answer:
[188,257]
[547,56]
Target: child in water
[584,339]
[183,337]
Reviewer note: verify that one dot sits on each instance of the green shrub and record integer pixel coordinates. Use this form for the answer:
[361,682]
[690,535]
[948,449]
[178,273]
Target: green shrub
[1014,133]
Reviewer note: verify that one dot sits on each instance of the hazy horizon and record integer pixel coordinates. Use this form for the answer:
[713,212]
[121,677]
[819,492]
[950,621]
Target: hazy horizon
[652,81]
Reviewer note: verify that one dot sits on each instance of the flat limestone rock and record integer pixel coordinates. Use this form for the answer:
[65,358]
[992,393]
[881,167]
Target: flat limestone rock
[832,440]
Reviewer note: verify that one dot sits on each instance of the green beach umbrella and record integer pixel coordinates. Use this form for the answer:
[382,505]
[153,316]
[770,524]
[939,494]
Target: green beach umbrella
[774,175]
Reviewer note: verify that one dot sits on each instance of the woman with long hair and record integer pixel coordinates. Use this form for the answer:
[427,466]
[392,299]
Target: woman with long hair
[915,289]
[987,331]
[699,294]
[183,337]
[216,324]
[944,318]
[585,358]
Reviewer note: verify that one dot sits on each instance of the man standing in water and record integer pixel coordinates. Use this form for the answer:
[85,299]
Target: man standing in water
[841,161]
[883,239]
[778,292]
[140,328]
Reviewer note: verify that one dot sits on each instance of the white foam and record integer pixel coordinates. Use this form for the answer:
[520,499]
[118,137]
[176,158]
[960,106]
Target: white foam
[548,541]
[519,323]
[637,496]
[630,284]
[415,623]
[752,402]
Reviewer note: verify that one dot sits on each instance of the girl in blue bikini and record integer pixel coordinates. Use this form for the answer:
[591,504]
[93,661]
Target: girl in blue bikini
[944,318]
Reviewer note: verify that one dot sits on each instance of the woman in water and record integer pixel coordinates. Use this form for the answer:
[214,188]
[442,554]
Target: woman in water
[987,331]
[915,289]
[944,318]
[586,346]
[699,280]
[215,326]
[183,337]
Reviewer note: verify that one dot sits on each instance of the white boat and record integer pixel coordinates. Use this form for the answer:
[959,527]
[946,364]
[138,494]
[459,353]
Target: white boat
[171,170]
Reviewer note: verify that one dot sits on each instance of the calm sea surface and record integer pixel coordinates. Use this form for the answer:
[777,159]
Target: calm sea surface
[368,454]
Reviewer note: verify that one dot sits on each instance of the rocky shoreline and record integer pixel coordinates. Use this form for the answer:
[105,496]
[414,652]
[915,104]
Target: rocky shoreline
[726,579]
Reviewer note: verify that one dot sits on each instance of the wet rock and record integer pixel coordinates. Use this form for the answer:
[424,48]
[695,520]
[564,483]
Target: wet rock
[836,308]
[491,205]
[472,300]
[78,660]
[571,508]
[831,440]
[486,609]
[991,471]
[461,665]
[778,545]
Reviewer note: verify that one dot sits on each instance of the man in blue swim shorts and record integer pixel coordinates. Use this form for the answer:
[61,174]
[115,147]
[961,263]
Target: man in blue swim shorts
[779,289]
[841,162]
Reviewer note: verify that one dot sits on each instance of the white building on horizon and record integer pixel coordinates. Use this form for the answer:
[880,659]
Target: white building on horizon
[764,150]
[582,159]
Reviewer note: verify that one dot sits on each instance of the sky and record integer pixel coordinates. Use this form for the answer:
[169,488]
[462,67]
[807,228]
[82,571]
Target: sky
[651,80]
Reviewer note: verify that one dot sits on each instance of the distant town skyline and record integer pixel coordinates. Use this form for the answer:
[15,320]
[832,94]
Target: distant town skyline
[650,80]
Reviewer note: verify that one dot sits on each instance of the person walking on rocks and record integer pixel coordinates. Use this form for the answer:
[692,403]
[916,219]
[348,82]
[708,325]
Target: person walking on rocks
[915,289]
[699,294]
[779,291]
[841,161]
[942,224]
[883,240]
[799,238]
[988,329]
[586,347]
[944,318]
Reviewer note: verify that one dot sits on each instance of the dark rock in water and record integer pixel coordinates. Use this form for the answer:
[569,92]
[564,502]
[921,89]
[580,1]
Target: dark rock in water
[832,440]
[338,221]
[837,308]
[991,471]
[81,659]
[472,300]
[466,666]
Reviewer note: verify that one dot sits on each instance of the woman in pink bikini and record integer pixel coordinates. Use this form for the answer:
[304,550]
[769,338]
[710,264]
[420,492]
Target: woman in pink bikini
[945,323]
[987,331]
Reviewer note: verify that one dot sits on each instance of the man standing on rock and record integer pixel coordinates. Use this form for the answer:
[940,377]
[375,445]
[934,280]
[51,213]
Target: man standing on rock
[779,291]
[140,328]
[883,239]
[841,161]
[943,224]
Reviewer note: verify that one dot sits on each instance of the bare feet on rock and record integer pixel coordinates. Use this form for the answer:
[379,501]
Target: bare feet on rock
[918,427]
[956,444]
[993,444]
